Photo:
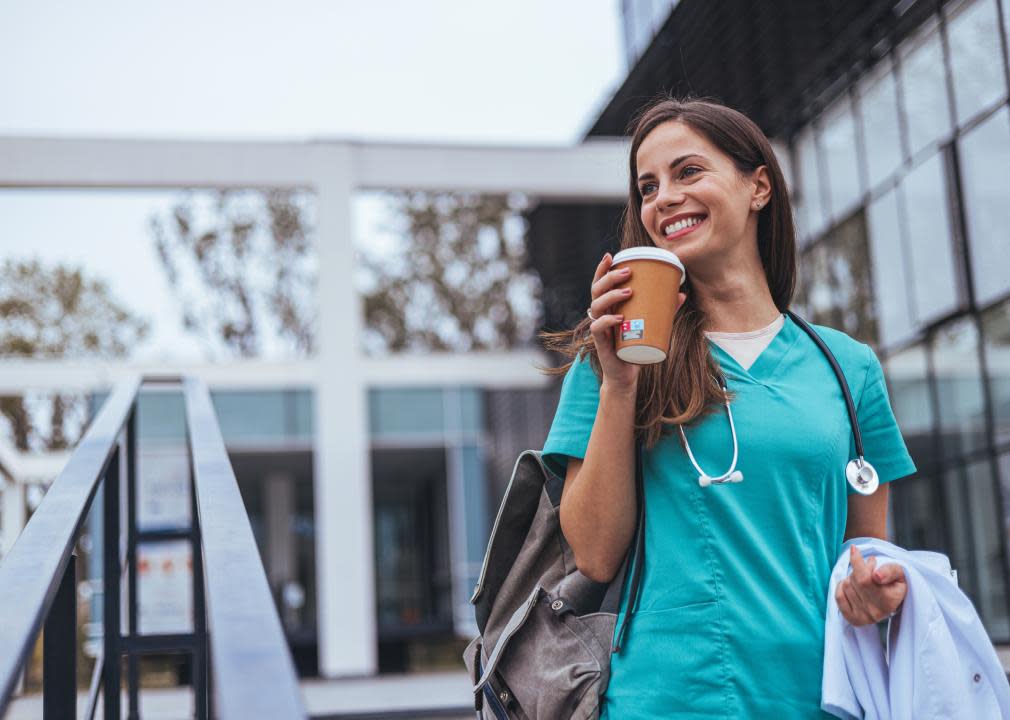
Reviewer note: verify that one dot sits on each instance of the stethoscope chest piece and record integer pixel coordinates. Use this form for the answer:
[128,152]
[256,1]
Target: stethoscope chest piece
[861,476]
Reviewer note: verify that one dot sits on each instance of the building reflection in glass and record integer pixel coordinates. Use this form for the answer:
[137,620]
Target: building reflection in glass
[960,398]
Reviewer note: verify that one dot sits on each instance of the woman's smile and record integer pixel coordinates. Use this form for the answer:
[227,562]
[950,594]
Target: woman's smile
[678,228]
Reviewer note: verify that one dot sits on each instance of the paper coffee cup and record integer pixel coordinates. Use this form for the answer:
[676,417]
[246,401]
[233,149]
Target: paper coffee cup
[643,337]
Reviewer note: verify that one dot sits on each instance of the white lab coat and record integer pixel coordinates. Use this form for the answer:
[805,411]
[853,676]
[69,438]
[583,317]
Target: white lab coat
[940,664]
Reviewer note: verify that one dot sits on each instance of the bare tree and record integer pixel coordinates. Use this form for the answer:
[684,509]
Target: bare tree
[56,312]
[240,264]
[458,282]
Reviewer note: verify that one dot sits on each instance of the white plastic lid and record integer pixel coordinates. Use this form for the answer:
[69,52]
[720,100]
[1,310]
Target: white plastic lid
[651,253]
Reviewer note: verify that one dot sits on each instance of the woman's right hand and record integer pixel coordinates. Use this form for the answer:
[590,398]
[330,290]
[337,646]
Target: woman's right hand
[605,295]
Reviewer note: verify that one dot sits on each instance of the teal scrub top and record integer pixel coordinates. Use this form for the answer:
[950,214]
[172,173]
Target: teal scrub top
[730,619]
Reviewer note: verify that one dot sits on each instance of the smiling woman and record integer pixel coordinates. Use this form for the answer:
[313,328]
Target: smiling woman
[705,184]
[736,573]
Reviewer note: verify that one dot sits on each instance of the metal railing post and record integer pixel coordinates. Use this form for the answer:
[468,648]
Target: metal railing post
[59,650]
[111,680]
[201,668]
[132,661]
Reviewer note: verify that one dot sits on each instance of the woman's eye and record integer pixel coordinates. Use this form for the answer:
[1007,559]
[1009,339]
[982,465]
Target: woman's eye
[684,172]
[645,188]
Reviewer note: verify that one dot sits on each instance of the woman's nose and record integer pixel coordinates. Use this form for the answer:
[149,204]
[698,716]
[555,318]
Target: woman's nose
[668,195]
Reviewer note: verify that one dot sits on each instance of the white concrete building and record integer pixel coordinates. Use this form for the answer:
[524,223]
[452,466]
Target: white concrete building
[409,434]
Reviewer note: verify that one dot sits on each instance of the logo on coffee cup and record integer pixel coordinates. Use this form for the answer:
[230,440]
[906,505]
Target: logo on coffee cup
[632,329]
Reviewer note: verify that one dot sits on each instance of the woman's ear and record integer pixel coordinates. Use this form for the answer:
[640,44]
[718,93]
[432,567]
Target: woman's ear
[761,187]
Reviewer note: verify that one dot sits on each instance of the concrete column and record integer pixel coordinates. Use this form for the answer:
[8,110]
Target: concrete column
[345,573]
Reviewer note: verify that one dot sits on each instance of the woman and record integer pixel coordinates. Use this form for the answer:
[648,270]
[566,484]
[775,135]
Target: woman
[730,619]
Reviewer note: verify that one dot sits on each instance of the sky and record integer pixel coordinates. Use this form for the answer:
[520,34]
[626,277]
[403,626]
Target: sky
[523,72]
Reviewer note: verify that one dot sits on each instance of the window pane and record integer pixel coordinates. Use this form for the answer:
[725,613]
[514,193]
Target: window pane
[1004,481]
[629,31]
[813,217]
[975,57]
[163,476]
[836,281]
[985,156]
[924,88]
[972,507]
[642,28]
[838,141]
[918,514]
[929,240]
[472,410]
[959,388]
[996,341]
[878,108]
[252,415]
[478,518]
[890,284]
[908,387]
[955,511]
[406,410]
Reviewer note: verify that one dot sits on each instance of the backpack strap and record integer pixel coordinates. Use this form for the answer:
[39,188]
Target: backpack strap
[636,554]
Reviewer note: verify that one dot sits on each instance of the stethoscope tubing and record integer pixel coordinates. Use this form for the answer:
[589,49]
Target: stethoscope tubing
[849,405]
[860,473]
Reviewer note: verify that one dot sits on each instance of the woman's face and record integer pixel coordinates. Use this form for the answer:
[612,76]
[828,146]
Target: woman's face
[694,200]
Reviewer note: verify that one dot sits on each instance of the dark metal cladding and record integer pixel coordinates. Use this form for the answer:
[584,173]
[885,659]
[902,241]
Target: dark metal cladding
[778,62]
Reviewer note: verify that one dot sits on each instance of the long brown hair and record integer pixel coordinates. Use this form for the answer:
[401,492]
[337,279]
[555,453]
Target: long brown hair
[685,387]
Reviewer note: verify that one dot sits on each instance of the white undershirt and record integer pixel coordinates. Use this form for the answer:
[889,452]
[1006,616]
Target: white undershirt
[744,347]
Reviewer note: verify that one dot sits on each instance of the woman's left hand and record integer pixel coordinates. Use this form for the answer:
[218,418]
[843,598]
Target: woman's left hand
[870,594]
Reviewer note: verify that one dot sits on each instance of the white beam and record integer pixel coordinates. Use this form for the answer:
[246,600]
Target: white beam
[478,369]
[85,376]
[594,170]
[487,370]
[69,162]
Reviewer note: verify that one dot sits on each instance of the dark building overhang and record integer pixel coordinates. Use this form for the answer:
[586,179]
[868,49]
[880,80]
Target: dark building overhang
[778,61]
[565,242]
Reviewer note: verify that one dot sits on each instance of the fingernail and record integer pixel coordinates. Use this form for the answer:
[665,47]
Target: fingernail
[626,291]
[625,271]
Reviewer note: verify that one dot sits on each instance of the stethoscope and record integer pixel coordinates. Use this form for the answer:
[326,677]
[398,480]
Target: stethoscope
[858,472]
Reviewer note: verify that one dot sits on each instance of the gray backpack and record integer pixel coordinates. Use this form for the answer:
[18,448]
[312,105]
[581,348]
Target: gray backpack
[546,630]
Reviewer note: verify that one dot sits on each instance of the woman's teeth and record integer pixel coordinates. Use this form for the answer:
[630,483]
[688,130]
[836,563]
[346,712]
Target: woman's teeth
[681,224]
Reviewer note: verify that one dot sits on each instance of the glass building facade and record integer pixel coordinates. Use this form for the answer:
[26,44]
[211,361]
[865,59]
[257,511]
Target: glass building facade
[432,502]
[903,217]
[641,20]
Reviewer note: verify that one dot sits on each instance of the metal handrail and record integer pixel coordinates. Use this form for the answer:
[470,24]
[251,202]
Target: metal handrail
[31,573]
[251,678]
[235,619]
